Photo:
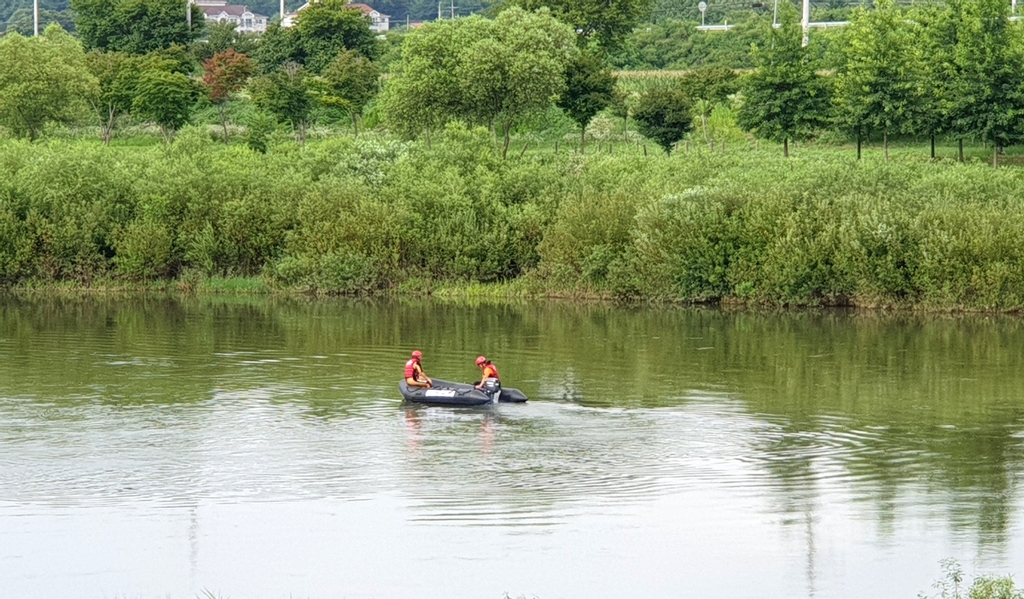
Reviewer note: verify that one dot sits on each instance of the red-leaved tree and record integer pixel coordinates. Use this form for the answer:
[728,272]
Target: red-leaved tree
[226,73]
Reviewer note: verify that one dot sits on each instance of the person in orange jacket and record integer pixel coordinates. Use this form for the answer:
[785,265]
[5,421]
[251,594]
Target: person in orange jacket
[414,375]
[488,371]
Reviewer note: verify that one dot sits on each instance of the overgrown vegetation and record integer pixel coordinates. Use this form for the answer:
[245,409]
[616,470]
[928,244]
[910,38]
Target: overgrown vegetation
[375,214]
[952,585]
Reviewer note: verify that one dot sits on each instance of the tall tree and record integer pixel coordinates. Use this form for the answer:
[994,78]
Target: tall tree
[352,81]
[117,75]
[165,98]
[42,80]
[278,46]
[589,88]
[987,100]
[784,98]
[605,23]
[135,26]
[879,84]
[663,115]
[516,68]
[329,27]
[285,94]
[934,36]
[226,74]
[479,70]
[423,91]
[322,30]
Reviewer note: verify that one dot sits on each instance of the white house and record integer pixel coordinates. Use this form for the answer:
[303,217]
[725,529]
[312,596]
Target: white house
[379,23]
[246,21]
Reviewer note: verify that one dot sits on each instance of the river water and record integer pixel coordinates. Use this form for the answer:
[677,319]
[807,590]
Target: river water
[253,448]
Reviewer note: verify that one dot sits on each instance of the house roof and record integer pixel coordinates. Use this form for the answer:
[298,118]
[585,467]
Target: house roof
[235,10]
[366,9]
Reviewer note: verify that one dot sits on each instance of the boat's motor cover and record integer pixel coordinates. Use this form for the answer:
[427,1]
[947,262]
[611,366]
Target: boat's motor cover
[492,387]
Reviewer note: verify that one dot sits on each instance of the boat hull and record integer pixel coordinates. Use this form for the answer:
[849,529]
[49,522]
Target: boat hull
[456,394]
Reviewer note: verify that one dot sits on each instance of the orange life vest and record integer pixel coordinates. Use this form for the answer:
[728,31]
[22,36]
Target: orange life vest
[490,372]
[411,372]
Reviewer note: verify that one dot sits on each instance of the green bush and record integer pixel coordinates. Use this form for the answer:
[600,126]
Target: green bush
[355,216]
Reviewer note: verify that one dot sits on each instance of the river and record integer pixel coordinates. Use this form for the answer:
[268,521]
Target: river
[248,448]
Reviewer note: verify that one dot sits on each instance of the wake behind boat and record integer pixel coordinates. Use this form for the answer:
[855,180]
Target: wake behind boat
[458,394]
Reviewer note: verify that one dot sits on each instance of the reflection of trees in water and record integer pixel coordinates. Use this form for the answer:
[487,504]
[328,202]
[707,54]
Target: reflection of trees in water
[904,405]
[900,404]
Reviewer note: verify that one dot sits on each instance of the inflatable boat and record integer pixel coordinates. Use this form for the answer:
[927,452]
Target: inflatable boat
[458,394]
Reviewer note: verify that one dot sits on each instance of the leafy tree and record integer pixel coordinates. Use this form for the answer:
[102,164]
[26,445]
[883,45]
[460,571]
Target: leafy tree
[589,88]
[479,70]
[285,93]
[713,84]
[322,30]
[663,115]
[23,21]
[934,37]
[986,95]
[879,82]
[258,128]
[603,22]
[278,46]
[135,26]
[423,92]
[42,79]
[329,27]
[221,37]
[166,98]
[225,74]
[352,81]
[117,76]
[784,98]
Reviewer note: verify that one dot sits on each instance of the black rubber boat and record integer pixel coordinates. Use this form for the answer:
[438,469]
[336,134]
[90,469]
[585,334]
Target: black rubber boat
[445,393]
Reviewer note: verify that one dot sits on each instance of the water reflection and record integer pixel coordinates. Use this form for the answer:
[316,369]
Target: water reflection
[816,421]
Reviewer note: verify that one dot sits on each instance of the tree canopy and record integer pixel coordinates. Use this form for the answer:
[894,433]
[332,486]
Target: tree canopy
[42,79]
[322,31]
[492,72]
[135,26]
[352,80]
[879,85]
[603,22]
[589,89]
[784,98]
[663,115]
[986,99]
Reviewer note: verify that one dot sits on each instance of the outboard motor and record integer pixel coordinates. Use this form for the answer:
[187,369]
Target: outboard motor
[492,387]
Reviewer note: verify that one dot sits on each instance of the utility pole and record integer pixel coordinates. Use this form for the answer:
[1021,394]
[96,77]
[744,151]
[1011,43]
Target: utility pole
[439,11]
[35,17]
[453,8]
[805,22]
[282,11]
[188,13]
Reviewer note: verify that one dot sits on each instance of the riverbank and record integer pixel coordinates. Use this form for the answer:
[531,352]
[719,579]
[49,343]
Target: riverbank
[380,216]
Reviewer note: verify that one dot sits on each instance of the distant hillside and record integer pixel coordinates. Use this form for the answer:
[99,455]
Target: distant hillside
[7,7]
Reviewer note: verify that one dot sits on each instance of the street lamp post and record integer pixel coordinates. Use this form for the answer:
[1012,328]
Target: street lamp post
[35,17]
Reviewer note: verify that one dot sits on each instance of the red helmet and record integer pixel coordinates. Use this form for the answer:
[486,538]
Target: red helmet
[480,360]
[417,354]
